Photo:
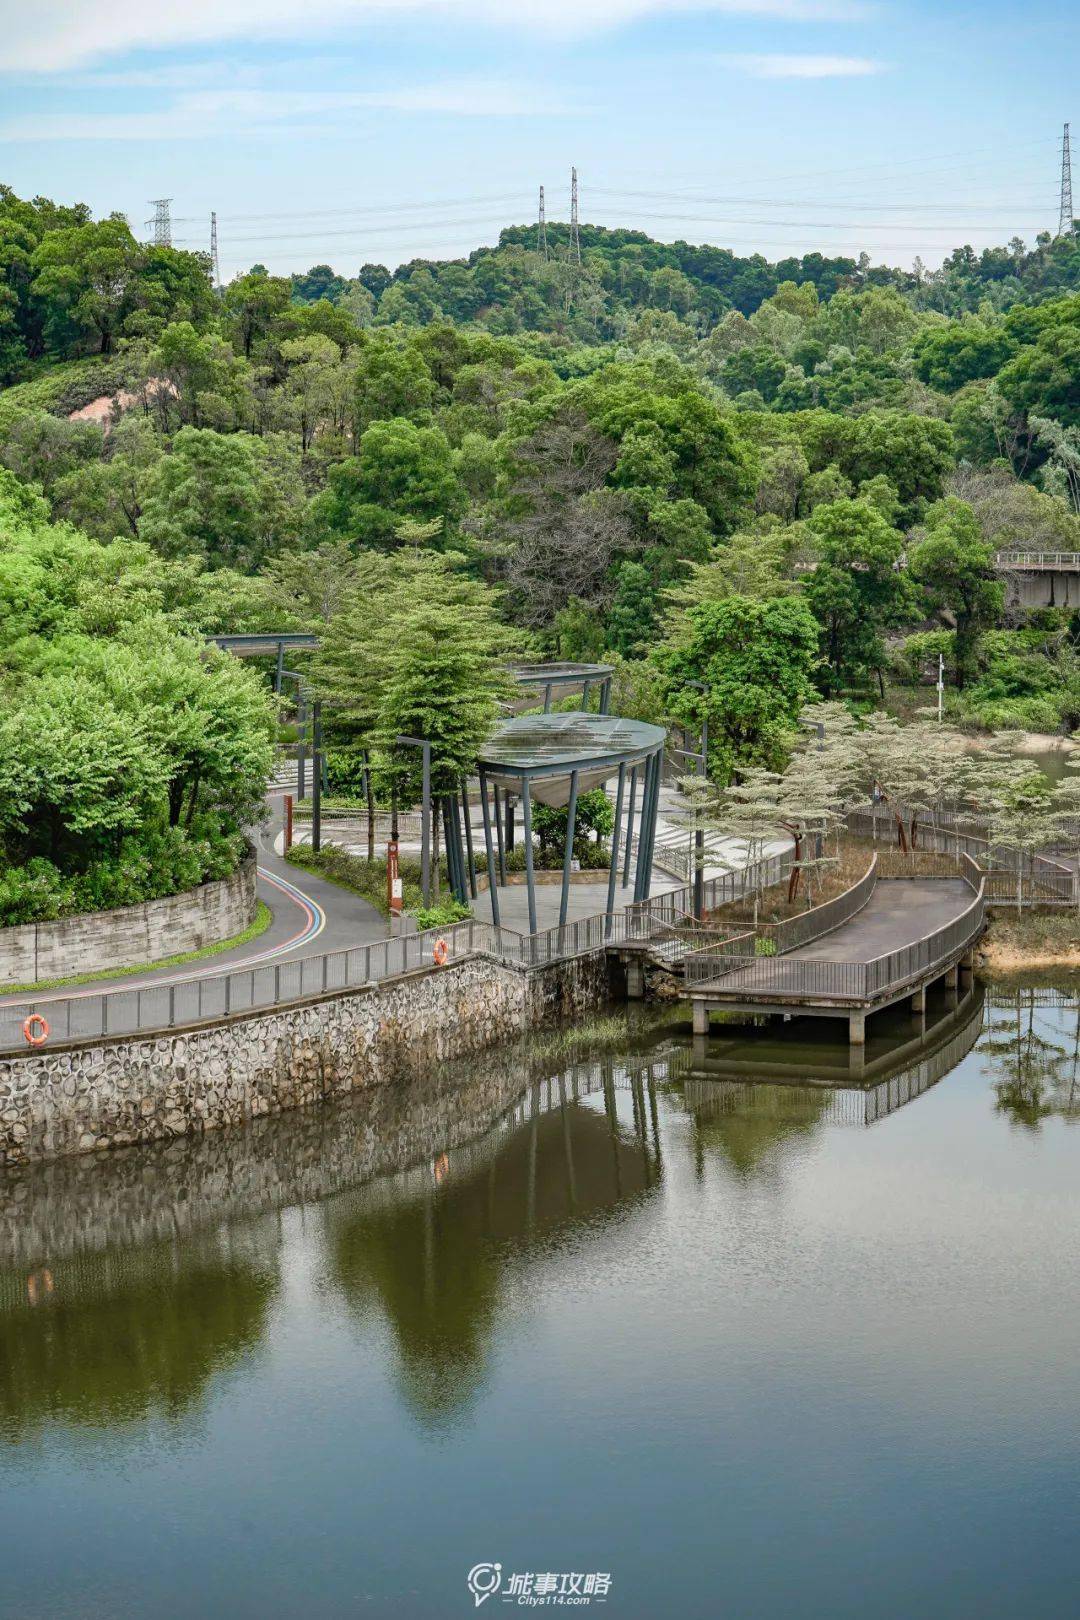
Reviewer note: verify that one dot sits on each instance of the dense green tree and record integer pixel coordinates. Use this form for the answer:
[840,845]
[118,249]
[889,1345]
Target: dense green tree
[956,566]
[401,471]
[251,307]
[755,661]
[949,356]
[229,498]
[855,590]
[83,274]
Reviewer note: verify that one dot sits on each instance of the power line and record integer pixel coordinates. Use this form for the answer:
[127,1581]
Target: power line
[817,224]
[1065,213]
[776,202]
[361,230]
[933,161]
[377,209]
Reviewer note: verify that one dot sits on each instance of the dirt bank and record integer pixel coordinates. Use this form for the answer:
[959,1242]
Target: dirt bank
[1036,939]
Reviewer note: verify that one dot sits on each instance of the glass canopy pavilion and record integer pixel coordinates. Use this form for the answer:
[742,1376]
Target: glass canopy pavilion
[551,759]
[558,680]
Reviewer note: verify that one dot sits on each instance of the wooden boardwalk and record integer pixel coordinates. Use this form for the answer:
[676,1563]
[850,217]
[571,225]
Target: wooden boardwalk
[902,935]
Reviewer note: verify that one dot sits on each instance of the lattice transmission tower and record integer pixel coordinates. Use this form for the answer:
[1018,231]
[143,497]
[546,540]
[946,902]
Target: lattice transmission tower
[574,251]
[215,262]
[541,229]
[161,221]
[1065,216]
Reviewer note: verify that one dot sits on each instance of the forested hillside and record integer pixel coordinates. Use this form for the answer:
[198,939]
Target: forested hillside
[775,479]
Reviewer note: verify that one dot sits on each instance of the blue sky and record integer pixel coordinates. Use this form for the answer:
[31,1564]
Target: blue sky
[345,130]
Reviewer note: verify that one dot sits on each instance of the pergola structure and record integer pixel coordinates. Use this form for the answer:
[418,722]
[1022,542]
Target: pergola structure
[269,643]
[552,758]
[558,679]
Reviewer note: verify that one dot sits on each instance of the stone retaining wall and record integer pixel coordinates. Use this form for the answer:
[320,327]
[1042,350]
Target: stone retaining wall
[129,935]
[150,1088]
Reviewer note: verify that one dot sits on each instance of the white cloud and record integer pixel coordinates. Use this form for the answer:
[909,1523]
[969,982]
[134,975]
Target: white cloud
[57,35]
[805,67]
[196,115]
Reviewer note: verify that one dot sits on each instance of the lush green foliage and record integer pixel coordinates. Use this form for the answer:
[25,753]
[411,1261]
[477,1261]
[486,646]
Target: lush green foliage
[130,757]
[772,479]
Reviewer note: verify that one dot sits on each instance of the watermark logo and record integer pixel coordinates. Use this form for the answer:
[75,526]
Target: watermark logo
[483,1580]
[539,1589]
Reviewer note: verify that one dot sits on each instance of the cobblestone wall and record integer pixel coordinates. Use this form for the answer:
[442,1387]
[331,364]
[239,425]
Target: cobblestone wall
[129,934]
[152,1088]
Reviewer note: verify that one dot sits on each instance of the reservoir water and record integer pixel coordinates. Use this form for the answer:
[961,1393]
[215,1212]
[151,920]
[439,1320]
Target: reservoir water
[742,1331]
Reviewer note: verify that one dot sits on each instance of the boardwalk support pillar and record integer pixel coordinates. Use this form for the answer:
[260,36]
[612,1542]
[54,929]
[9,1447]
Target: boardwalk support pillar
[918,1000]
[857,1028]
[967,966]
[701,1018]
[635,980]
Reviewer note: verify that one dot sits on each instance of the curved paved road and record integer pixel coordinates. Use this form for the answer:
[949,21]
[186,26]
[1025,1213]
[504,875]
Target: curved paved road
[309,915]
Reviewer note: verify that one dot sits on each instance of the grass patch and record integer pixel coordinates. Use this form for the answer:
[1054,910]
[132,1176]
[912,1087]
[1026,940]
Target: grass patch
[363,877]
[258,925]
[1035,938]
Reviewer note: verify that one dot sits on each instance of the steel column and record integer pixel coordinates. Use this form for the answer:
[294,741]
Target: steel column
[568,852]
[630,825]
[425,827]
[468,840]
[646,794]
[497,812]
[316,775]
[493,875]
[462,890]
[526,814]
[613,868]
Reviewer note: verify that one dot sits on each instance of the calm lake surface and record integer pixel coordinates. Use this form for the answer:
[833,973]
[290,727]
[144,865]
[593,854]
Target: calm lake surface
[750,1346]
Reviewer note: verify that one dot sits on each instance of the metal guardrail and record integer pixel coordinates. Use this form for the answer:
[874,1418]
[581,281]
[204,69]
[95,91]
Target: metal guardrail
[807,925]
[1049,881]
[1067,562]
[178,1003]
[800,978]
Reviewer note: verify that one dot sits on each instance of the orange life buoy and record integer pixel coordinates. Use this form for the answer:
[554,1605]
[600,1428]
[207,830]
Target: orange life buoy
[440,951]
[36,1030]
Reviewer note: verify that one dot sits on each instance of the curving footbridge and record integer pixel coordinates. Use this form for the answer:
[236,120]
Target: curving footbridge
[879,942]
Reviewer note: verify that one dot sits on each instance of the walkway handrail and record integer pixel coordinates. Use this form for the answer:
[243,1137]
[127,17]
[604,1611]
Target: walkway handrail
[1053,881]
[721,956]
[822,919]
[801,977]
[912,961]
[1031,561]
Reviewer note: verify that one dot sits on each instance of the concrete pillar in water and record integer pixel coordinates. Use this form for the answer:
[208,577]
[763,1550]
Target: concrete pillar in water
[701,1018]
[857,1029]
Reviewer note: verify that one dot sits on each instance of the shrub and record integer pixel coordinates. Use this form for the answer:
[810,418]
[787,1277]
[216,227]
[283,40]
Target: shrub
[440,916]
[916,657]
[32,893]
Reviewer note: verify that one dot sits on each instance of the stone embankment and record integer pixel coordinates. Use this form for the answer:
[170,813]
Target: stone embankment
[128,935]
[111,1093]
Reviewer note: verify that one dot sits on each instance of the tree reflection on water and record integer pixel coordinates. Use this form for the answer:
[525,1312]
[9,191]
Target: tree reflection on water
[1037,1062]
[432,1256]
[128,1283]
